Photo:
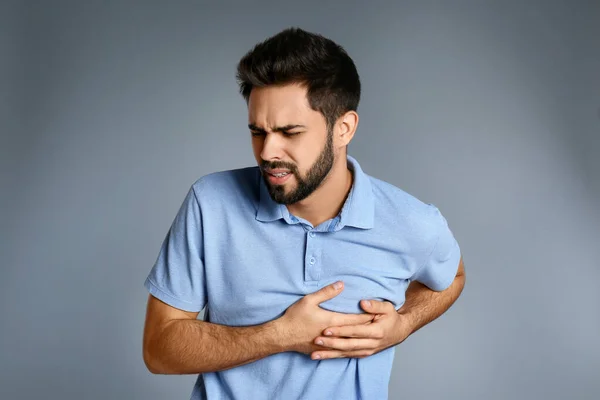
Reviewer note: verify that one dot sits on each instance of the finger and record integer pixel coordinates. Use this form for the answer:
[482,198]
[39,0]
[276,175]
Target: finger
[372,331]
[340,319]
[326,293]
[377,307]
[352,344]
[327,354]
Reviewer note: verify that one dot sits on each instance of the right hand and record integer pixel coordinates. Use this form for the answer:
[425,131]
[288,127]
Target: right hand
[304,320]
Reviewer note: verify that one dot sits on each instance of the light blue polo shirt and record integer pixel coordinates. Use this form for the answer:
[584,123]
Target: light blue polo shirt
[233,249]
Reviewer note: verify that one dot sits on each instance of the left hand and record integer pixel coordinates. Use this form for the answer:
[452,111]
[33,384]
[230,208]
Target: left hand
[388,328]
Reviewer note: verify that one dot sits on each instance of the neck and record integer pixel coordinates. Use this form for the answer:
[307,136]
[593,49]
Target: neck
[327,201]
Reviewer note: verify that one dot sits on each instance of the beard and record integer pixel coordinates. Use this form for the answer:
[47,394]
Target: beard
[305,186]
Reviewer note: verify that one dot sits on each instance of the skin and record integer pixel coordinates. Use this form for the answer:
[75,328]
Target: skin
[275,107]
[175,342]
[270,109]
[389,327]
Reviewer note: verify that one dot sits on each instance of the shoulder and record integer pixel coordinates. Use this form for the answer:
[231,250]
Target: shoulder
[405,210]
[223,186]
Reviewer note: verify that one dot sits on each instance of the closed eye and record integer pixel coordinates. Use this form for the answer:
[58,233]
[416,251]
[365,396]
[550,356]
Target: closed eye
[285,133]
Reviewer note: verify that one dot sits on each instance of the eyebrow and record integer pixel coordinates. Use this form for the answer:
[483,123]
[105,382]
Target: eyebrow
[284,128]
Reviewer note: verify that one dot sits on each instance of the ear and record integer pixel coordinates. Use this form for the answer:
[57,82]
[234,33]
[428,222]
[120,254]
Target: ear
[345,127]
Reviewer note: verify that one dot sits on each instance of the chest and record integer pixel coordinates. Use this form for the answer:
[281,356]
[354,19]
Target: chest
[254,277]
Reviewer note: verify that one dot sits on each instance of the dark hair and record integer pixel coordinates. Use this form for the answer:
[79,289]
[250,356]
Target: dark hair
[296,56]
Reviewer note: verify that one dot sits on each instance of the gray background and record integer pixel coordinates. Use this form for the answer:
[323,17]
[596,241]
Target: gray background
[490,110]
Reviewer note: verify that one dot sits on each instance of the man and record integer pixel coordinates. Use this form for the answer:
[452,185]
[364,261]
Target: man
[287,254]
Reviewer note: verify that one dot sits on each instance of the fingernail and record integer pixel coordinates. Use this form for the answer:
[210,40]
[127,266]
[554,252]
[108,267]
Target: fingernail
[320,342]
[317,357]
[328,333]
[367,303]
[337,285]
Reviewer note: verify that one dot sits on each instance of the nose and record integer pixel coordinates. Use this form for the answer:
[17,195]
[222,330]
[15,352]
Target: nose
[272,147]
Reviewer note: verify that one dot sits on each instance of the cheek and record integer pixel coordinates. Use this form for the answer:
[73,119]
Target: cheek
[308,155]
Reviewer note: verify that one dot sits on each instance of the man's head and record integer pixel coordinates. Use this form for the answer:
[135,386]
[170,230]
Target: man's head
[302,92]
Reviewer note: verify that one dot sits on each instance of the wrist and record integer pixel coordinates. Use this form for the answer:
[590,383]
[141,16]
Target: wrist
[405,325]
[279,337]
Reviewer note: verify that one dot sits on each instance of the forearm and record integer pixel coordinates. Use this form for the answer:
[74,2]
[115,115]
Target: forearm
[193,346]
[423,305]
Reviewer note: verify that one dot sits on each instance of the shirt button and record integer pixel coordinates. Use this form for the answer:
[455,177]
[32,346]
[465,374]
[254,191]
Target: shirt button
[312,260]
[312,234]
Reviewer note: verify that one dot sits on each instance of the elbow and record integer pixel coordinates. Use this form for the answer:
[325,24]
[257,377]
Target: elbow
[154,357]
[153,370]
[156,367]
[151,362]
[157,362]
[153,351]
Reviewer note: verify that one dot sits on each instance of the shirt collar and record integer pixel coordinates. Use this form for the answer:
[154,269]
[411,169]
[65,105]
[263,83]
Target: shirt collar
[358,210]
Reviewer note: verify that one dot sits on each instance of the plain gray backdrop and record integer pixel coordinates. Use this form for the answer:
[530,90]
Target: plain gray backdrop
[488,109]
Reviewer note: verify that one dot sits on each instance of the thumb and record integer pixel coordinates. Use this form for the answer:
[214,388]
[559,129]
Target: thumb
[375,306]
[326,293]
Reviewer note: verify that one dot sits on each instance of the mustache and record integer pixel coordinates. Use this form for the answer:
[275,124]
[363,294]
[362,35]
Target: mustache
[278,164]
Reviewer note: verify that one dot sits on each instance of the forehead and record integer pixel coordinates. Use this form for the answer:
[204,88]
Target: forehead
[279,105]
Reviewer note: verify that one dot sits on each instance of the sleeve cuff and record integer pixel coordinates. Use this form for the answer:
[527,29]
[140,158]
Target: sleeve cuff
[170,299]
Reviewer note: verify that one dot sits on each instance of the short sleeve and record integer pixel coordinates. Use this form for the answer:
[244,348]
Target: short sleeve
[440,266]
[177,277]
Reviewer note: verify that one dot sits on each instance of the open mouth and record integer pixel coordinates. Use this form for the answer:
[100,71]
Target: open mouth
[279,177]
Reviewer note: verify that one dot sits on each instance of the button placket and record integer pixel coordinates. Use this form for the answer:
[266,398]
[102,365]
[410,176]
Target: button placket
[312,262]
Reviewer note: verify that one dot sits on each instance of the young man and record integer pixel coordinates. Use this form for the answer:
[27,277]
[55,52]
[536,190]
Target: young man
[286,254]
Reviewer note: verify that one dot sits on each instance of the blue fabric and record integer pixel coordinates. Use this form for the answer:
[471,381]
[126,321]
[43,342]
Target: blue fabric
[233,249]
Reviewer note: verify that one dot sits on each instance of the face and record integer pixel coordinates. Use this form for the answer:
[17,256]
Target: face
[291,142]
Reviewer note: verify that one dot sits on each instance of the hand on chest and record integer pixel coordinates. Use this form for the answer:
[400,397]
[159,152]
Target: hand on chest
[260,276]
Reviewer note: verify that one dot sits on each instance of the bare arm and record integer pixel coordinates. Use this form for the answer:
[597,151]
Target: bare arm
[389,327]
[176,343]
[423,305]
